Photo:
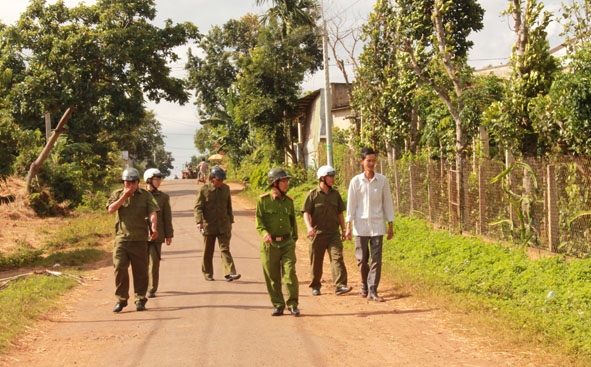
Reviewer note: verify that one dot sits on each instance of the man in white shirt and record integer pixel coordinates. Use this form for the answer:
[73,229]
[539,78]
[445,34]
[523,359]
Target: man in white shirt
[369,207]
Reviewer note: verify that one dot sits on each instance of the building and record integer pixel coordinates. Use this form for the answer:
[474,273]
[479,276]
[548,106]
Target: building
[312,125]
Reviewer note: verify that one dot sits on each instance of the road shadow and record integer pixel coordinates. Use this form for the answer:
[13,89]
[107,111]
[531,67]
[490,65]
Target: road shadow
[368,313]
[183,214]
[176,193]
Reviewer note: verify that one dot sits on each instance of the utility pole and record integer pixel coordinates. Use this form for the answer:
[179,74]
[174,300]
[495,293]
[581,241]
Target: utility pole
[327,94]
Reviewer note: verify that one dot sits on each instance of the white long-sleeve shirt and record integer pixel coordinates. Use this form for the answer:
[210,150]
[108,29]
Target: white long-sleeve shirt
[369,205]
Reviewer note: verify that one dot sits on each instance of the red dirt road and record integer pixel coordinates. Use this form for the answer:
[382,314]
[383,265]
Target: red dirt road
[192,322]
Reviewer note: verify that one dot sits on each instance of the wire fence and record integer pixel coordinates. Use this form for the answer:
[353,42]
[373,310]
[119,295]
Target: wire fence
[539,203]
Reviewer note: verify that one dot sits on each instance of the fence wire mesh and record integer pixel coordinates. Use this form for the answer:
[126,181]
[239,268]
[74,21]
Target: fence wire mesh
[534,202]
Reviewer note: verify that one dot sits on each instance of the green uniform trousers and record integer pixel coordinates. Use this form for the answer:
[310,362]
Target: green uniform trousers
[332,243]
[224,245]
[134,253]
[154,255]
[279,261]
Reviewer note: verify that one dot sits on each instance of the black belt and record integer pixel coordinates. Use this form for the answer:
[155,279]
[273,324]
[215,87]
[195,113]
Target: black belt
[280,238]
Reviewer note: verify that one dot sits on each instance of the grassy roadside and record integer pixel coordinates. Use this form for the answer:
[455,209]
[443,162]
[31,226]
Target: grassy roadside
[79,240]
[533,304]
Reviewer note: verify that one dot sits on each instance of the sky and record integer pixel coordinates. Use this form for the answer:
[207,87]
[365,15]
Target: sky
[492,46]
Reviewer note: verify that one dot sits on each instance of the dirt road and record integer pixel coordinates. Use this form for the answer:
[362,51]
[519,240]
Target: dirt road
[193,322]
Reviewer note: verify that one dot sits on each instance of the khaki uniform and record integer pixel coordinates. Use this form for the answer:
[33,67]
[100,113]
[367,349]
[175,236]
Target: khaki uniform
[276,216]
[131,243]
[324,210]
[165,230]
[213,208]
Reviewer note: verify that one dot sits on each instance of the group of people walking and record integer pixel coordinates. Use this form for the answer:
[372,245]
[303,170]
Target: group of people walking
[145,214]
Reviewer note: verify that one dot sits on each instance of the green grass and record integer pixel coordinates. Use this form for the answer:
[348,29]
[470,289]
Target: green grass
[546,301]
[24,300]
[80,240]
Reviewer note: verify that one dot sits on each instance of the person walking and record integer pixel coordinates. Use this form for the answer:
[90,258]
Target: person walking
[323,214]
[369,207]
[276,223]
[133,206]
[202,169]
[153,179]
[214,218]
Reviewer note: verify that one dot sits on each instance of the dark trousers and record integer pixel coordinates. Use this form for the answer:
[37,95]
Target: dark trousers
[154,255]
[224,245]
[331,243]
[367,248]
[134,253]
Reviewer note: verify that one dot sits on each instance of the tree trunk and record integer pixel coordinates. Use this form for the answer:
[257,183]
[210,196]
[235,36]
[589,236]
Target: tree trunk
[35,166]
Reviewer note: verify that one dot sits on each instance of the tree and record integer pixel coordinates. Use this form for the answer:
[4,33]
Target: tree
[565,113]
[512,121]
[213,76]
[103,59]
[248,82]
[433,34]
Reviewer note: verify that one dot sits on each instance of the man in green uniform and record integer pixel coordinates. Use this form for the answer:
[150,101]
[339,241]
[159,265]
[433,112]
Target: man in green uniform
[276,223]
[323,214]
[153,179]
[214,218]
[133,206]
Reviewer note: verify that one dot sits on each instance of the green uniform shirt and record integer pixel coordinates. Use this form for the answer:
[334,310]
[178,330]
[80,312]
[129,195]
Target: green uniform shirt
[276,216]
[213,208]
[131,222]
[324,209]
[165,229]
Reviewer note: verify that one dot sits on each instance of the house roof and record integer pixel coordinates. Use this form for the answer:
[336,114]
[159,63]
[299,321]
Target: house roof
[305,102]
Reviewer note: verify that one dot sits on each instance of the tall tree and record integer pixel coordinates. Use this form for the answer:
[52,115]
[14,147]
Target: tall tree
[511,121]
[565,113]
[103,59]
[435,36]
[213,74]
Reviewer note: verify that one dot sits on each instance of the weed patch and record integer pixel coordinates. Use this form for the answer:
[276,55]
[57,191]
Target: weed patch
[548,299]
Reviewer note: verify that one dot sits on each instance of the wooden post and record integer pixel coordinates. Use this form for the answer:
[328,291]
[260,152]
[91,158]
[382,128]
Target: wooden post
[482,199]
[553,226]
[396,182]
[411,184]
[47,126]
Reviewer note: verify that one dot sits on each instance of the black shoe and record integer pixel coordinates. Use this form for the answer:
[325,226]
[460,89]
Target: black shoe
[141,305]
[375,297]
[315,292]
[294,311]
[209,279]
[231,277]
[151,294]
[277,311]
[119,306]
[343,290]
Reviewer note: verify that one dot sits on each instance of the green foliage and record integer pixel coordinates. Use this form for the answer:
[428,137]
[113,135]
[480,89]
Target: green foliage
[574,211]
[512,121]
[569,102]
[83,231]
[105,60]
[522,204]
[25,300]
[77,242]
[9,140]
[248,80]
[43,204]
[547,298]
[22,256]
